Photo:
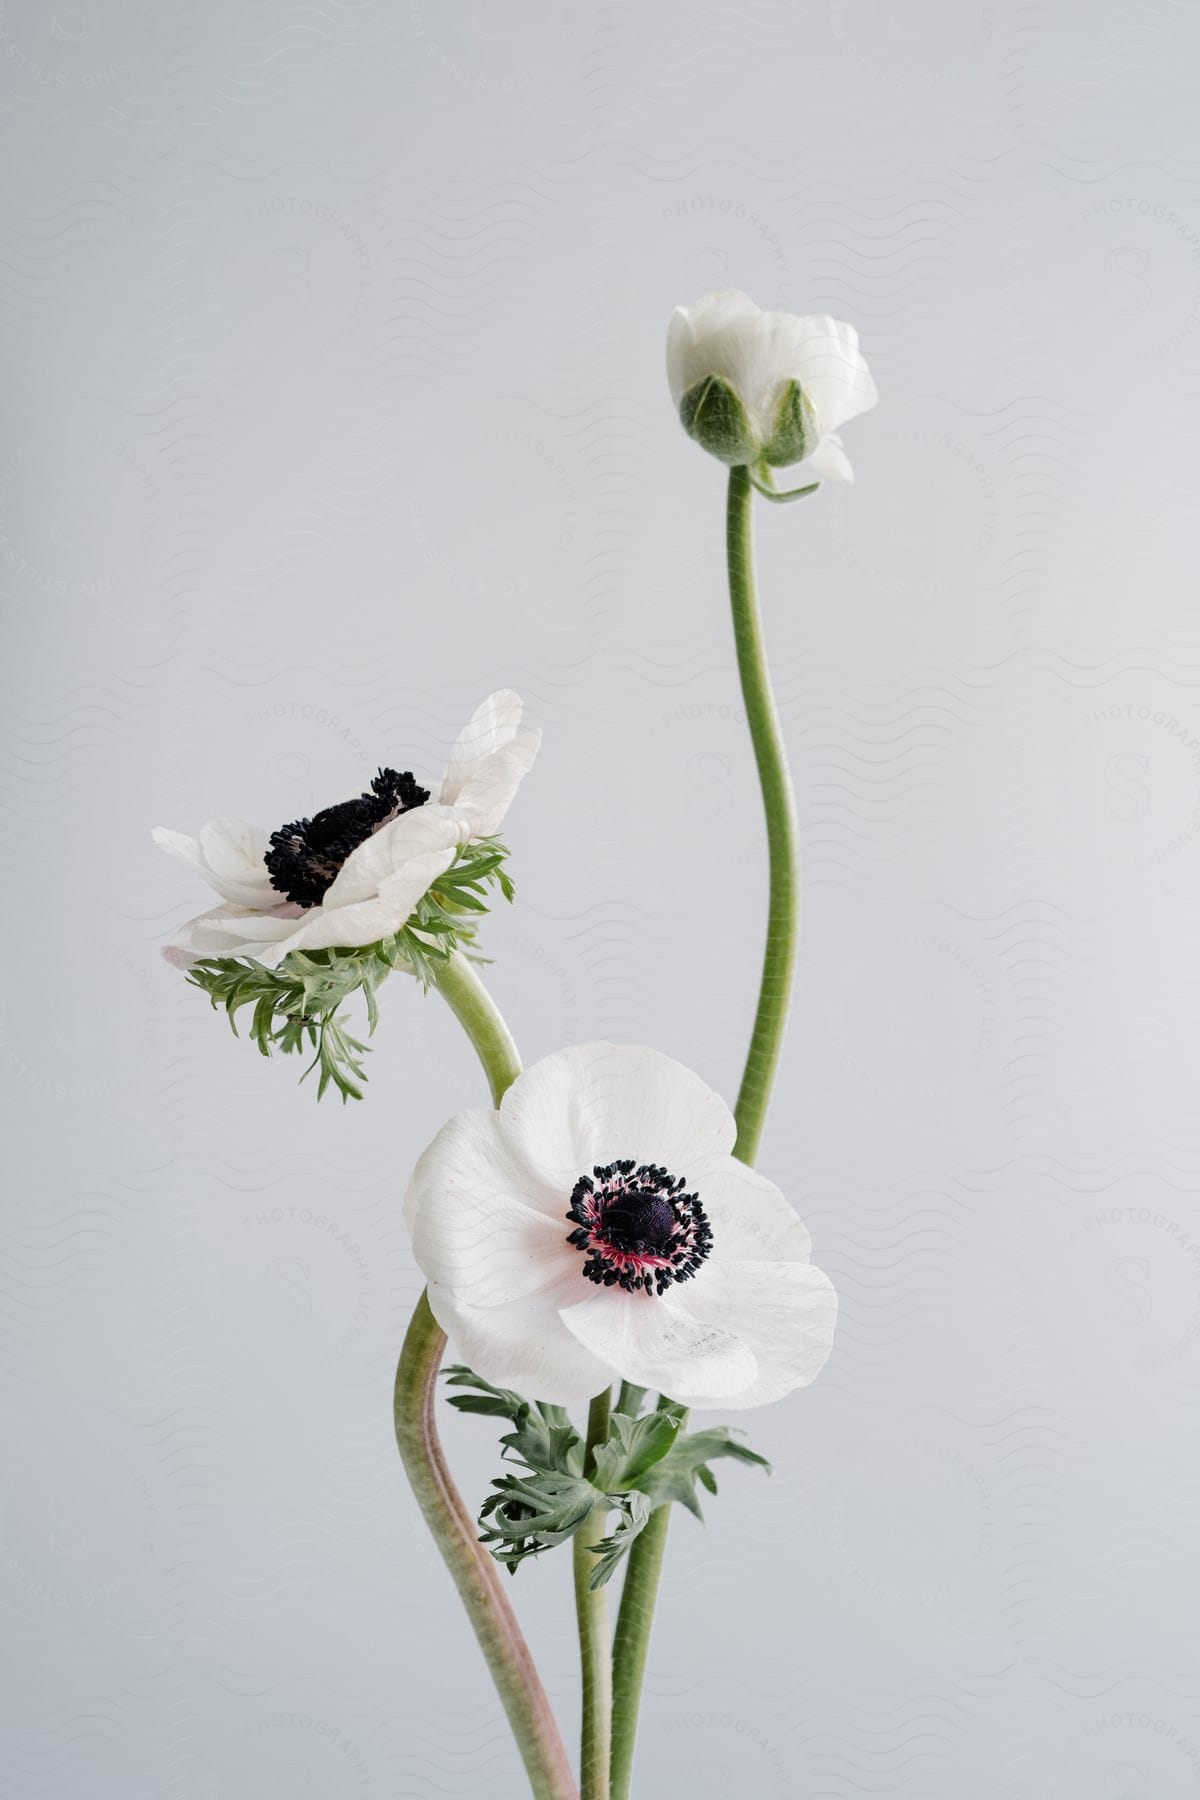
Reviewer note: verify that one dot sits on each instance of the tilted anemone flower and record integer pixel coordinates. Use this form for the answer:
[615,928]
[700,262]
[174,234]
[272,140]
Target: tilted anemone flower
[353,873]
[596,1227]
[770,388]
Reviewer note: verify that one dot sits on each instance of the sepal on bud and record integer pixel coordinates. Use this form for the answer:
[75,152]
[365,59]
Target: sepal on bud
[795,432]
[714,416]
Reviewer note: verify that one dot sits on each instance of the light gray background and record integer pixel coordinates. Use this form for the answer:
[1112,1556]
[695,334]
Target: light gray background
[333,339]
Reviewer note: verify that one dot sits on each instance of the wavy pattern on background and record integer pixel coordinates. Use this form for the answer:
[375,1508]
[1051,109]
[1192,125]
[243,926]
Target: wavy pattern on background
[332,339]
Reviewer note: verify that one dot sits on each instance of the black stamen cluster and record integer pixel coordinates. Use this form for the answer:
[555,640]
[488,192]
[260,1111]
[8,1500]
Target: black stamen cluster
[305,856]
[637,1211]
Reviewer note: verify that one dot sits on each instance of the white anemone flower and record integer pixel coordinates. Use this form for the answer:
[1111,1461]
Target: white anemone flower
[767,386]
[596,1227]
[353,873]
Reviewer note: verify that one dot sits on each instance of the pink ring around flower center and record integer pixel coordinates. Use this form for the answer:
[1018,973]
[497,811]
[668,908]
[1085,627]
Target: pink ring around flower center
[637,1227]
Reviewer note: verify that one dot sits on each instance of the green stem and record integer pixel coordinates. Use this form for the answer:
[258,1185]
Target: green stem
[476,1574]
[631,1645]
[479,1016]
[595,1650]
[635,1621]
[783,905]
[629,1399]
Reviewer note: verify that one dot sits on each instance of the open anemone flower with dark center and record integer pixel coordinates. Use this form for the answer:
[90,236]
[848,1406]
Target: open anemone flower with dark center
[353,873]
[597,1227]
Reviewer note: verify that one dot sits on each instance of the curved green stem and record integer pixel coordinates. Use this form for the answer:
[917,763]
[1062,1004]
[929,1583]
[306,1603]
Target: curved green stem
[479,1016]
[595,1650]
[476,1575]
[635,1621]
[783,905]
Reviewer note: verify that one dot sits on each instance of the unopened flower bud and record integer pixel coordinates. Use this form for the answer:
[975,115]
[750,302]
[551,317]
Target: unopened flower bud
[754,387]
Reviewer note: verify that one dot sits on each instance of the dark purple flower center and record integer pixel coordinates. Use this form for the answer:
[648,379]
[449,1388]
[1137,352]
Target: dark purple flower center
[637,1227]
[305,856]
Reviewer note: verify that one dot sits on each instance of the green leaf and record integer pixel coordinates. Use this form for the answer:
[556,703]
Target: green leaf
[544,1440]
[633,1447]
[634,1510]
[528,1514]
[763,484]
[545,1444]
[674,1476]
[500,1403]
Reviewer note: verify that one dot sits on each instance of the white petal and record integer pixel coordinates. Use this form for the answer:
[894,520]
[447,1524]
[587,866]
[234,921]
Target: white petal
[488,792]
[727,335]
[229,855]
[232,931]
[177,843]
[679,343]
[234,851]
[712,337]
[751,1221]
[428,832]
[650,1340]
[829,461]
[822,354]
[368,921]
[784,1313]
[493,724]
[526,1347]
[595,1103]
[482,1226]
[725,306]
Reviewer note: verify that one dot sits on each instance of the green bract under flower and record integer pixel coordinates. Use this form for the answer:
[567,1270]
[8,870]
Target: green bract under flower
[645,1462]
